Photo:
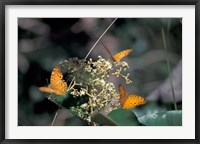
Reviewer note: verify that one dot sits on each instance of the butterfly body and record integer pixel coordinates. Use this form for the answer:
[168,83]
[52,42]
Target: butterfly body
[129,101]
[57,85]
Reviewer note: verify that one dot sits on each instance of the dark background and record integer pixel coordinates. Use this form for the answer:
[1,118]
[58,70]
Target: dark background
[44,42]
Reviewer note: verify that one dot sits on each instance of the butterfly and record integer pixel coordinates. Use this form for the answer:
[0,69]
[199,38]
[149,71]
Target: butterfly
[129,101]
[57,85]
[117,57]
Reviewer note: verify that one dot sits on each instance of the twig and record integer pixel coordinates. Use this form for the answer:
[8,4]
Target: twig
[100,38]
[169,69]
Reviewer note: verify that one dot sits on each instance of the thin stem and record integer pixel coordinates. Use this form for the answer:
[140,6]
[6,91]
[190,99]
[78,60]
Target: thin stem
[55,116]
[169,69]
[100,38]
[169,25]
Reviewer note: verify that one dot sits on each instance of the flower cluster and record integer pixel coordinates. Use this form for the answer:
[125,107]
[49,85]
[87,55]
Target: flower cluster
[90,78]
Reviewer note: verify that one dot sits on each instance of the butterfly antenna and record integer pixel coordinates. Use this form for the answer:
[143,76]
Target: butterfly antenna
[106,48]
[47,81]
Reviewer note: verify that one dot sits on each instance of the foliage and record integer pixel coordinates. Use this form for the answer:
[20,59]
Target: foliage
[169,118]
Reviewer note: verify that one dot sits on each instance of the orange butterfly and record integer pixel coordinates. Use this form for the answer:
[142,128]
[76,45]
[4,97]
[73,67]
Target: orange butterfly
[117,57]
[129,101]
[57,85]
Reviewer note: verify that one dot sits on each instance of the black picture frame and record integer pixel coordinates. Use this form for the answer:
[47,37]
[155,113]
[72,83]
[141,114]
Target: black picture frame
[4,3]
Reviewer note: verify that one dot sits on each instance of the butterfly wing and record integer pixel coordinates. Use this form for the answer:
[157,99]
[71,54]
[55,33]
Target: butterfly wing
[60,88]
[117,57]
[133,101]
[46,89]
[56,76]
[57,82]
[122,93]
[51,90]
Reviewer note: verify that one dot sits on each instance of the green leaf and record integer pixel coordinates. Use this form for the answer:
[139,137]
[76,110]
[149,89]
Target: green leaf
[66,101]
[60,98]
[168,118]
[102,119]
[149,107]
[124,117]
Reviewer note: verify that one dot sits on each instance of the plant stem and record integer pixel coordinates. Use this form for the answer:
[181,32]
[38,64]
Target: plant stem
[100,38]
[55,116]
[168,68]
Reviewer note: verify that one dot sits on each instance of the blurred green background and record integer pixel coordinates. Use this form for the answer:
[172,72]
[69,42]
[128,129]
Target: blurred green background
[44,42]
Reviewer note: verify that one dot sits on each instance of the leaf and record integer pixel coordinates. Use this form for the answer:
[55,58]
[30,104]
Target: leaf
[149,107]
[124,117]
[60,98]
[102,119]
[168,118]
[66,101]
